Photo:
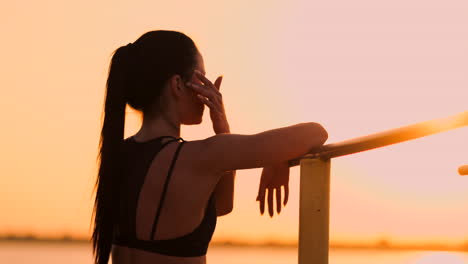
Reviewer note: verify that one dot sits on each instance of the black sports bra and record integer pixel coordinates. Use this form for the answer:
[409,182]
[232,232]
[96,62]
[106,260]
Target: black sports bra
[138,157]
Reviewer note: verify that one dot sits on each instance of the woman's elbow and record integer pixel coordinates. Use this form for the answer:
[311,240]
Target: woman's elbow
[319,132]
[324,134]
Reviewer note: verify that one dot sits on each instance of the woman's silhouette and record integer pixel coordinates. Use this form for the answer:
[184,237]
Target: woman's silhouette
[158,195]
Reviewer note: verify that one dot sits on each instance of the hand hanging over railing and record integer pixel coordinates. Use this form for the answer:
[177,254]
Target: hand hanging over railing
[273,177]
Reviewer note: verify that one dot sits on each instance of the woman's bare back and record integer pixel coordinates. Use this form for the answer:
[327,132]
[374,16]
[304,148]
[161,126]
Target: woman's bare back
[183,208]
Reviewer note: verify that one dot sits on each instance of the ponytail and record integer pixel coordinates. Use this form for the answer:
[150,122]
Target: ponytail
[137,75]
[106,203]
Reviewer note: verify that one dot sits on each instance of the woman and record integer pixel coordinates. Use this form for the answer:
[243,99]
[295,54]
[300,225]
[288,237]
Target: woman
[158,196]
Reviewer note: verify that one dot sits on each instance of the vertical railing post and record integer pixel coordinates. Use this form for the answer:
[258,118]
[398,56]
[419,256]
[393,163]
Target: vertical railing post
[314,211]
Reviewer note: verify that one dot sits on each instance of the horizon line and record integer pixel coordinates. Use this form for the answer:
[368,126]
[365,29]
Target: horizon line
[382,244]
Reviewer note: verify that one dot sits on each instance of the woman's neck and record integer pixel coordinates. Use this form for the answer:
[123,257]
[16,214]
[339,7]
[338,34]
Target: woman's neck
[160,126]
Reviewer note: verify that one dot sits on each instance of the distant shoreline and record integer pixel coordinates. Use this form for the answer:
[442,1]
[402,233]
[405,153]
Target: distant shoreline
[380,245]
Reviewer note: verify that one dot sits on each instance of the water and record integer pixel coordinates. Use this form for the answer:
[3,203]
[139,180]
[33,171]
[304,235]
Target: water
[54,253]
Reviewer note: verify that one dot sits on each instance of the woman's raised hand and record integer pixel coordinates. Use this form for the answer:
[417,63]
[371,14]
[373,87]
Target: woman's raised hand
[273,177]
[208,93]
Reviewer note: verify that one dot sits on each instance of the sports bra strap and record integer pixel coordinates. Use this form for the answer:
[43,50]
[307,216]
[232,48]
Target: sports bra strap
[158,138]
[163,194]
[167,137]
[167,142]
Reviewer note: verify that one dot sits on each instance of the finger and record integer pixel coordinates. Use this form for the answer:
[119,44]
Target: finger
[261,198]
[203,78]
[261,190]
[201,89]
[278,199]
[204,100]
[286,194]
[218,82]
[270,201]
[262,204]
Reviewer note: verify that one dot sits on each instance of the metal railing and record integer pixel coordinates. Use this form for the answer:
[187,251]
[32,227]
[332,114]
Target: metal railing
[314,197]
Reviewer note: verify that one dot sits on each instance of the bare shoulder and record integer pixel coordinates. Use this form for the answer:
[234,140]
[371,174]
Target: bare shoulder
[192,152]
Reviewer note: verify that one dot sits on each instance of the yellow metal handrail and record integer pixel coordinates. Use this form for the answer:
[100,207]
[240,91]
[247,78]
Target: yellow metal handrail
[314,192]
[386,138]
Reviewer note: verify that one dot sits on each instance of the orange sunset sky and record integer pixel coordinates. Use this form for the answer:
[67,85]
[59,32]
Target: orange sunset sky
[356,67]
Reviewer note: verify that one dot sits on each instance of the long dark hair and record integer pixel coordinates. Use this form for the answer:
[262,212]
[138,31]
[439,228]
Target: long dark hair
[137,73]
